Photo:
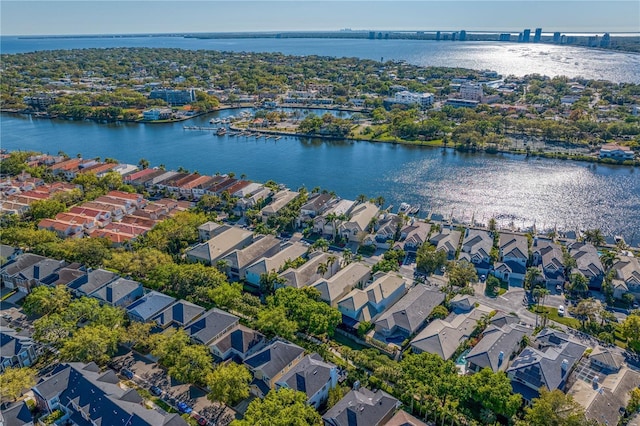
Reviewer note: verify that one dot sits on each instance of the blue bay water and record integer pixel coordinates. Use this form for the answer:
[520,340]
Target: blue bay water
[514,189]
[505,58]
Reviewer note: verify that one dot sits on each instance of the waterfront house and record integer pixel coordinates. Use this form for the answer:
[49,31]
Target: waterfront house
[156,182]
[168,182]
[220,185]
[334,288]
[477,245]
[362,407]
[356,228]
[86,395]
[444,337]
[238,260]
[140,177]
[616,152]
[408,314]
[308,273]
[627,276]
[278,202]
[254,199]
[211,326]
[549,257]
[365,304]
[289,251]
[588,263]
[497,347]
[93,280]
[546,363]
[316,205]
[447,240]
[239,344]
[313,376]
[209,252]
[414,234]
[387,229]
[327,223]
[271,363]
[16,350]
[178,315]
[149,305]
[120,292]
[514,248]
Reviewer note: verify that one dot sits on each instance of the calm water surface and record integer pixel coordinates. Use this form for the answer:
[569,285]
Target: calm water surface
[505,58]
[569,195]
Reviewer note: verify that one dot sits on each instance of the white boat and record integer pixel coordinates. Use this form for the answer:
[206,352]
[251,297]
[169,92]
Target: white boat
[415,209]
[404,208]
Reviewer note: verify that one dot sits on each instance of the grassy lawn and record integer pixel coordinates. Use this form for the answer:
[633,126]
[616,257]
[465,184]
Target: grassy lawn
[553,315]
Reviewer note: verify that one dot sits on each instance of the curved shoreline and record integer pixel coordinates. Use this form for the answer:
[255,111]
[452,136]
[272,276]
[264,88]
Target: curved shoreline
[550,155]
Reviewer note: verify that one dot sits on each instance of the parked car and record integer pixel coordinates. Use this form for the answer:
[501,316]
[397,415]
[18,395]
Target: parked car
[155,390]
[483,278]
[127,373]
[184,408]
[201,420]
[561,310]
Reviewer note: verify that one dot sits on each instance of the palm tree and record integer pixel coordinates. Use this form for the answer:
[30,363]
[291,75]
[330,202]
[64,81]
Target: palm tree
[531,278]
[361,198]
[540,293]
[143,163]
[579,283]
[594,236]
[379,201]
[322,269]
[347,256]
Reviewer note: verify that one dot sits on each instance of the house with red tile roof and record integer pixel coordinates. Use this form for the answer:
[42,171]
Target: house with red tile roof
[63,229]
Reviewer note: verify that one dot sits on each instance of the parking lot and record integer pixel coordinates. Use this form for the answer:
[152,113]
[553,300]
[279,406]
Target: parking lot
[148,373]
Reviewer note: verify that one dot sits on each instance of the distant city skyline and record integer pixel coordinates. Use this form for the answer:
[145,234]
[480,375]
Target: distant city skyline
[53,17]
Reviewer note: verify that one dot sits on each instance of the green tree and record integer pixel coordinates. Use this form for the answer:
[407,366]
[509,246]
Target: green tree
[554,408]
[429,260]
[439,312]
[586,310]
[594,236]
[46,209]
[192,364]
[226,295]
[532,277]
[579,284]
[137,334]
[53,329]
[282,407]
[44,300]
[304,307]
[461,273]
[493,392]
[91,344]
[137,264]
[269,282]
[631,331]
[13,381]
[229,383]
[167,346]
[335,395]
[274,322]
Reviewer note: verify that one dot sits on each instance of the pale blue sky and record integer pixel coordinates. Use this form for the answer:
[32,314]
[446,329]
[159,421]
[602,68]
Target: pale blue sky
[26,17]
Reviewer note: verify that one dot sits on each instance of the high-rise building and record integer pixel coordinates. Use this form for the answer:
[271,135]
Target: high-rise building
[463,35]
[438,36]
[453,36]
[505,37]
[526,34]
[556,37]
[537,35]
[606,40]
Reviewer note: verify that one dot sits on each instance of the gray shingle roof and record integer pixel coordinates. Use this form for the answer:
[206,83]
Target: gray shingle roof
[93,280]
[274,358]
[361,408]
[587,260]
[496,347]
[542,365]
[11,344]
[180,314]
[118,290]
[16,415]
[149,305]
[100,396]
[309,375]
[21,262]
[210,325]
[410,312]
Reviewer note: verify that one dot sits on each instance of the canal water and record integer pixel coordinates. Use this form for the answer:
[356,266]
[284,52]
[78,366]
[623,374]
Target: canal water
[516,190]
